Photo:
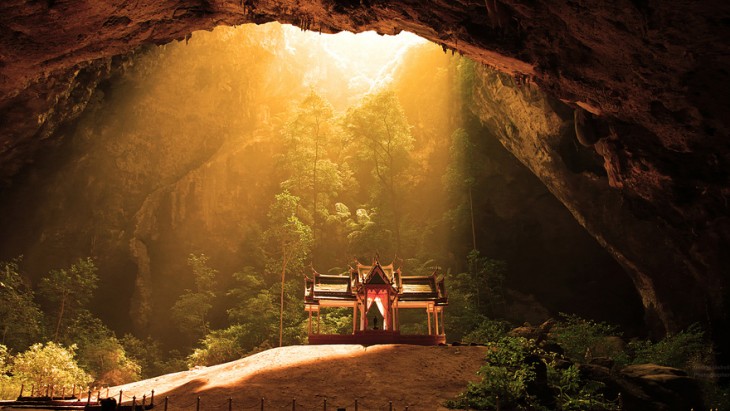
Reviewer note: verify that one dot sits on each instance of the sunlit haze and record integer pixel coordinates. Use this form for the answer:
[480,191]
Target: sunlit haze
[371,58]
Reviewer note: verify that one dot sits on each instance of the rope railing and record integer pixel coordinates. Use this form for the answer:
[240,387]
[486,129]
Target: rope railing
[141,401]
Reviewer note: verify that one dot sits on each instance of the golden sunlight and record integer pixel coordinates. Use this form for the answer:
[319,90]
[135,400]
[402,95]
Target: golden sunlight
[371,58]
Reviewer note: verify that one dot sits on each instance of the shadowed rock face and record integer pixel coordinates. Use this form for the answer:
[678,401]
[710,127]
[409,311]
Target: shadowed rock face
[654,75]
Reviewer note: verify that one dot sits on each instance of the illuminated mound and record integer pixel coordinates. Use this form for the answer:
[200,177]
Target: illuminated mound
[421,378]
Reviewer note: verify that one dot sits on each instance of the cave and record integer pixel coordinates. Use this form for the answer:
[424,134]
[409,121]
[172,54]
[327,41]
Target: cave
[646,83]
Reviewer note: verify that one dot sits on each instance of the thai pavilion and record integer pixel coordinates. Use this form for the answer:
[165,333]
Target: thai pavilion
[376,293]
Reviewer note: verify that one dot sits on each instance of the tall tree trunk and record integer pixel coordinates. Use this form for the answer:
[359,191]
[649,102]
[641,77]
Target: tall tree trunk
[473,228]
[281,307]
[60,316]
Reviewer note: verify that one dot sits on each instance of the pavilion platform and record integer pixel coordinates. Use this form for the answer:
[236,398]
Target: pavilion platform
[372,337]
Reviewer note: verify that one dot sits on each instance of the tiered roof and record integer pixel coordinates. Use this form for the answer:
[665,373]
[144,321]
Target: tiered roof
[344,287]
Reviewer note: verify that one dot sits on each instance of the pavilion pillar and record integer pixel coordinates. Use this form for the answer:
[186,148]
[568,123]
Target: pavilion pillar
[318,320]
[310,320]
[436,320]
[443,328]
[428,315]
[354,318]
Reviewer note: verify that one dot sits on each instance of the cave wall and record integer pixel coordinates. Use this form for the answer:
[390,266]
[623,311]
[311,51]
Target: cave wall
[653,74]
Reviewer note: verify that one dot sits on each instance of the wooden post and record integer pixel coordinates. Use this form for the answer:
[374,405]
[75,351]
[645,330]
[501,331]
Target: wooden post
[107,391]
[436,320]
[32,388]
[98,396]
[428,314]
[390,405]
[144,400]
[197,404]
[310,321]
[318,310]
[354,318]
[166,398]
[120,399]
[496,398]
[22,386]
[88,398]
[294,401]
[230,403]
[443,327]
[152,399]
[325,404]
[262,404]
[134,403]
[63,392]
[355,404]
[48,389]
[52,387]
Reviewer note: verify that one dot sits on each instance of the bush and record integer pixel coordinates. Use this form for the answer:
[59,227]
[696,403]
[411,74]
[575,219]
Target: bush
[221,346]
[580,337]
[511,374]
[506,375]
[681,350]
[49,364]
[487,330]
[575,394]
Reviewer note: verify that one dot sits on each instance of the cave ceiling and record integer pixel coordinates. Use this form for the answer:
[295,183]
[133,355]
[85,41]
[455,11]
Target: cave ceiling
[648,81]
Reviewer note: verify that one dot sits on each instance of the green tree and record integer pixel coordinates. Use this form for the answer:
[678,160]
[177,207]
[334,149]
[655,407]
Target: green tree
[100,353]
[49,364]
[148,353]
[382,136]
[70,288]
[254,307]
[20,317]
[460,177]
[221,346]
[287,242]
[190,311]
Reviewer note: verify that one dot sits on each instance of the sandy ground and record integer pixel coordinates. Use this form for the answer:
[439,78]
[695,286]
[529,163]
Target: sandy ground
[420,378]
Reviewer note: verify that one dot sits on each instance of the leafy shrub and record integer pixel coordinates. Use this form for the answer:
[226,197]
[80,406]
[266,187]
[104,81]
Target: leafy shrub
[487,330]
[221,346]
[49,364]
[510,377]
[506,375]
[575,394]
[579,337]
[680,350]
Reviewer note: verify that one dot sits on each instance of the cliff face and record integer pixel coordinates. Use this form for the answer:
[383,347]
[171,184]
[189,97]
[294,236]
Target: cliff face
[651,79]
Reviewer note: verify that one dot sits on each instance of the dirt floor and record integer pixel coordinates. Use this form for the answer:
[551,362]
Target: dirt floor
[420,378]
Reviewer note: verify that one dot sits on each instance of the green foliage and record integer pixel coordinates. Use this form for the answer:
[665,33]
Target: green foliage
[505,375]
[148,354]
[381,137]
[9,387]
[510,372]
[475,296]
[20,317]
[576,394]
[336,321]
[190,311]
[99,352]
[682,350]
[50,363]
[488,330]
[287,242]
[581,338]
[70,288]
[221,346]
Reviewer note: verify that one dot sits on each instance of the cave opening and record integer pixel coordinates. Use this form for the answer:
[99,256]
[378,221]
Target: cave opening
[183,149]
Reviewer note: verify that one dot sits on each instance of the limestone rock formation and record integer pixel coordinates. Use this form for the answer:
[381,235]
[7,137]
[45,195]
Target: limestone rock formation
[655,76]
